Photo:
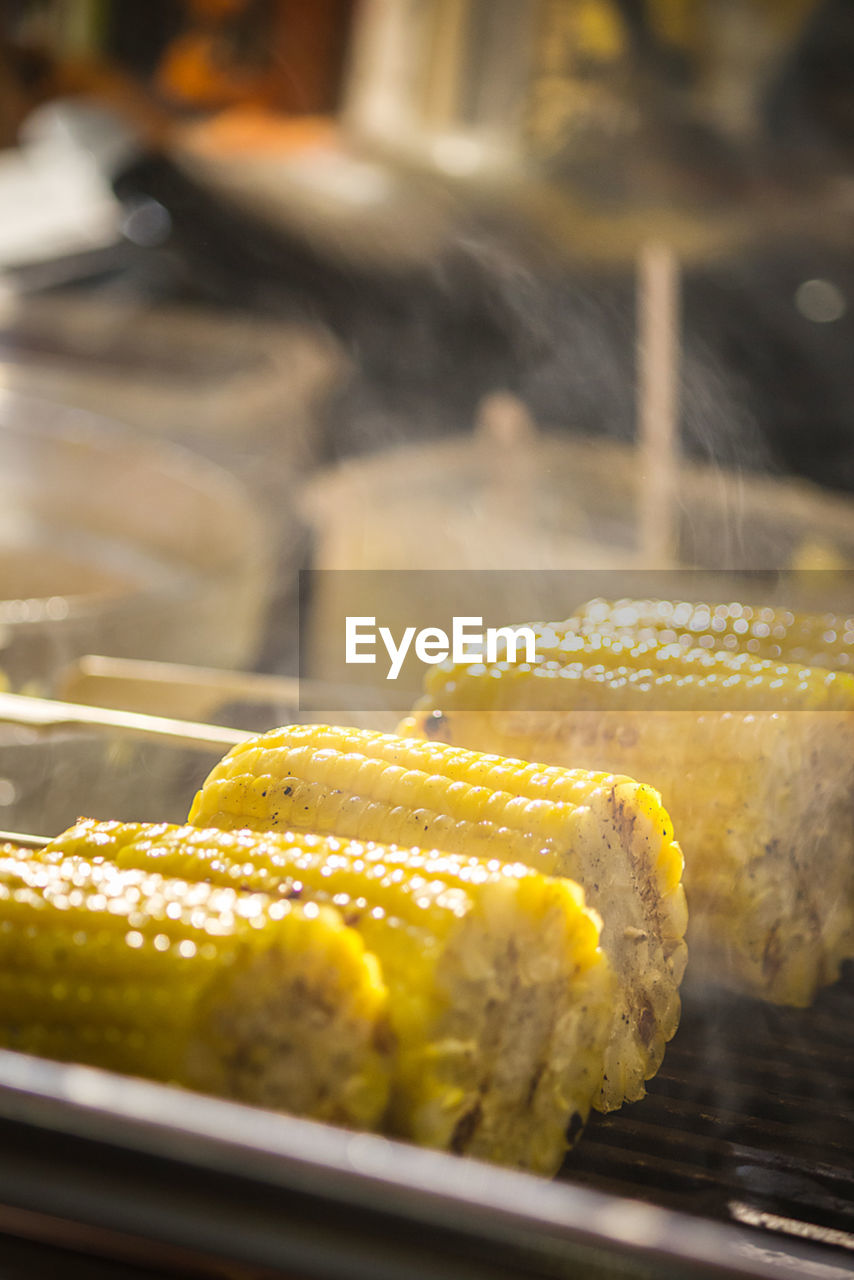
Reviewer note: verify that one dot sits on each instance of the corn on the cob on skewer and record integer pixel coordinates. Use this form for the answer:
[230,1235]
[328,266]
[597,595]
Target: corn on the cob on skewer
[499,997]
[234,994]
[609,834]
[753,758]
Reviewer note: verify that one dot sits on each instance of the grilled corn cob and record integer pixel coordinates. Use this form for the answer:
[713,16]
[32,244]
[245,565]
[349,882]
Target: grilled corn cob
[758,782]
[609,834]
[499,997]
[810,640]
[237,995]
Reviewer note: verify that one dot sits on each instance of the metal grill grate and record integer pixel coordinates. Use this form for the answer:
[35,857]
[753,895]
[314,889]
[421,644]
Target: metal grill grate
[750,1119]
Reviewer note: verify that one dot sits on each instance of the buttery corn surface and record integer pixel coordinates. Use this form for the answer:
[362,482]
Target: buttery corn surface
[608,833]
[232,994]
[753,758]
[824,640]
[601,670]
[499,995]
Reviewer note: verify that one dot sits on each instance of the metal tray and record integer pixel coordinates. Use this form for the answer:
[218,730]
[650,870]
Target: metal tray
[128,1169]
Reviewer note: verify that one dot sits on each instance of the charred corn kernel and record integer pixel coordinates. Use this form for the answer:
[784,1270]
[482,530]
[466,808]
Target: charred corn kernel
[754,759]
[234,994]
[608,833]
[811,640]
[499,996]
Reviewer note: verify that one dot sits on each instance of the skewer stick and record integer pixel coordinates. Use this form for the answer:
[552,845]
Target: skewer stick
[183,692]
[658,403]
[43,714]
[23,840]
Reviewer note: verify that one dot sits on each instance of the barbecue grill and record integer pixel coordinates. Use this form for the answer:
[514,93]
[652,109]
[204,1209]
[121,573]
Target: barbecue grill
[739,1162]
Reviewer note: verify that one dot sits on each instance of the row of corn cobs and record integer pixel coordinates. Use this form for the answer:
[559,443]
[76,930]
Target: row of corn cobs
[304,945]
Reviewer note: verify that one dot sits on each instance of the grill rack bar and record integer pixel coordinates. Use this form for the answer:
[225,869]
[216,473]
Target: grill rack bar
[750,1119]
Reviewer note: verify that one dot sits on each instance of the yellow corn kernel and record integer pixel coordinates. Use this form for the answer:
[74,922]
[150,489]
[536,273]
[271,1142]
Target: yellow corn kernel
[499,997]
[234,994]
[780,635]
[608,833]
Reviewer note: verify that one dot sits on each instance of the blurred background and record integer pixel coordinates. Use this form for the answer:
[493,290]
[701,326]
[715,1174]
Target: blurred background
[411,284]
